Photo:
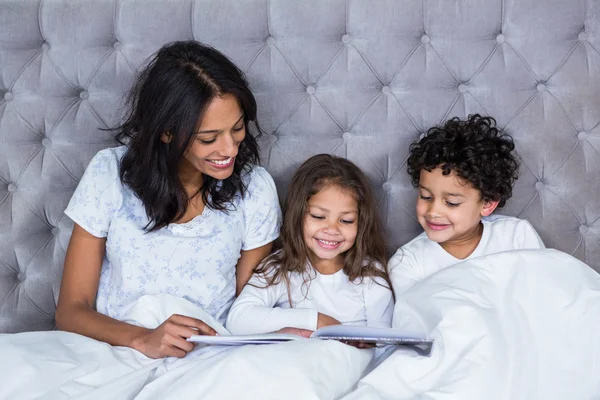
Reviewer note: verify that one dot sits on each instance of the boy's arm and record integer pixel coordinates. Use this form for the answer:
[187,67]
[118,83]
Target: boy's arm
[405,272]
[255,311]
[379,303]
[526,237]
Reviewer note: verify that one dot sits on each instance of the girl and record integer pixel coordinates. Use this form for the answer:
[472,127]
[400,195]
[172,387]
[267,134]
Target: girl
[331,268]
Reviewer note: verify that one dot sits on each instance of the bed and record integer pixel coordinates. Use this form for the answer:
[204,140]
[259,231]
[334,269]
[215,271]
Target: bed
[356,78]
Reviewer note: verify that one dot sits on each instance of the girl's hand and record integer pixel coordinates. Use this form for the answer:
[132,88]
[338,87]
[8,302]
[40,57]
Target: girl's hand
[169,339]
[296,331]
[325,320]
[358,345]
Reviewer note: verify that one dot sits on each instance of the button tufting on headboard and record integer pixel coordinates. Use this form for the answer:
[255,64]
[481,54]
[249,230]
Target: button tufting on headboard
[360,79]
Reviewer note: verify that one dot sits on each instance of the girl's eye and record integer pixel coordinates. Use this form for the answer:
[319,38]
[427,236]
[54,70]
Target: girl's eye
[317,216]
[347,221]
[427,198]
[452,204]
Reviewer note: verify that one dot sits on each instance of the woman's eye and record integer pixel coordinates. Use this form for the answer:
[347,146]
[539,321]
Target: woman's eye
[207,141]
[238,129]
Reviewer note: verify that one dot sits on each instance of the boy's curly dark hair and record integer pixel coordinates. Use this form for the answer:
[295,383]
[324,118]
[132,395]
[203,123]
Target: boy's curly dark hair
[475,150]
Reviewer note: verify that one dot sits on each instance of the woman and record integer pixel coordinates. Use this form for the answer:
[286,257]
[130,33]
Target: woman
[181,208]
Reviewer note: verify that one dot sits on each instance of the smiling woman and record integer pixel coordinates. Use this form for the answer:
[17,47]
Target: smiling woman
[181,208]
[215,147]
[191,142]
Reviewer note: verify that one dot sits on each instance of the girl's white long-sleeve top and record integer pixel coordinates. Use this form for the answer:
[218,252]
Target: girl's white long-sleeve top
[260,309]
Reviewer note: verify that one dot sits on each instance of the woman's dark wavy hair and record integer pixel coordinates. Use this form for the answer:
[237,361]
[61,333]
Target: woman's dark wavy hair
[171,95]
[369,250]
[475,150]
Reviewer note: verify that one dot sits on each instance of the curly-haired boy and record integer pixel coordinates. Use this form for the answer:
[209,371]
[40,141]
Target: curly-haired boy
[463,170]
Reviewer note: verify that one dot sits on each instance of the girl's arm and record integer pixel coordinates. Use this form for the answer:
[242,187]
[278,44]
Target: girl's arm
[256,311]
[379,303]
[75,310]
[249,259]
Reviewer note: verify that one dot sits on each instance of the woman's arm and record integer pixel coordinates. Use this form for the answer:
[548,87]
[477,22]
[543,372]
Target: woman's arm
[249,259]
[75,310]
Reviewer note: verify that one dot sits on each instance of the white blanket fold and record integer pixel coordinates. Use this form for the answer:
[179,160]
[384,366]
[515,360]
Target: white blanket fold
[62,365]
[514,325]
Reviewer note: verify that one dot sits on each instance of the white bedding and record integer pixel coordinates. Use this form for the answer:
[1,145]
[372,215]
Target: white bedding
[515,325]
[60,365]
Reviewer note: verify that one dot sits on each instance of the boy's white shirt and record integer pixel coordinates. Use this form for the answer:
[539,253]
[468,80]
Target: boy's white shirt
[422,257]
[262,310]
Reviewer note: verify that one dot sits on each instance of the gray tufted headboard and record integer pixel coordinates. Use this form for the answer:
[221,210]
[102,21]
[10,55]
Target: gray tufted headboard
[356,78]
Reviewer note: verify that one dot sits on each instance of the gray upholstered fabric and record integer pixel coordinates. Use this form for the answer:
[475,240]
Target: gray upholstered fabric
[356,78]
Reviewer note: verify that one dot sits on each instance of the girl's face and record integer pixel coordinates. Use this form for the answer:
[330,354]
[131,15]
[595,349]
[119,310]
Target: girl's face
[330,226]
[213,150]
[449,209]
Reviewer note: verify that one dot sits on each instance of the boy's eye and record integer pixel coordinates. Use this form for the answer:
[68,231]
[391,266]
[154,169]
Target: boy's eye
[425,197]
[452,204]
[317,216]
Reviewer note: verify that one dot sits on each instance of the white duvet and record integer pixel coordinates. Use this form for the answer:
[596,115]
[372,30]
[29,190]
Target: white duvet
[516,325]
[61,365]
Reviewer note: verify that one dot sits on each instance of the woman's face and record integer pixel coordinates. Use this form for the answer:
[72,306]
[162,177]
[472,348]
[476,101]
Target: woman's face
[213,149]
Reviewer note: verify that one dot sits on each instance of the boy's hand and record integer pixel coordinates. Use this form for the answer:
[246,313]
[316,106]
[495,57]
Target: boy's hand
[325,320]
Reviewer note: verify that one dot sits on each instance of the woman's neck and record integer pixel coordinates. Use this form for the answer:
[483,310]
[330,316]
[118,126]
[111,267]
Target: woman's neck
[191,179]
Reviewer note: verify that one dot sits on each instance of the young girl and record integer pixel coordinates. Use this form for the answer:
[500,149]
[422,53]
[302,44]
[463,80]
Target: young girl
[464,171]
[331,268]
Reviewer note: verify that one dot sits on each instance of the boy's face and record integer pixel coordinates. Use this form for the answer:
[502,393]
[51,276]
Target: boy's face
[450,209]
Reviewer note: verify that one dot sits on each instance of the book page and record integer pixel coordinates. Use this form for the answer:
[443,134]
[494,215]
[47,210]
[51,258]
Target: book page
[239,340]
[371,335]
[352,334]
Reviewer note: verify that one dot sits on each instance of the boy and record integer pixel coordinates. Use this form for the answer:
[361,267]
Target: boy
[463,171]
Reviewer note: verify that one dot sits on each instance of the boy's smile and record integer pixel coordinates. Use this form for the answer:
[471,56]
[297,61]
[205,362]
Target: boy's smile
[437,227]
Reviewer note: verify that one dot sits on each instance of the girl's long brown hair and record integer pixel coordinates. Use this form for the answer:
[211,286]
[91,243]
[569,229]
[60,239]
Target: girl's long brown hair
[367,258]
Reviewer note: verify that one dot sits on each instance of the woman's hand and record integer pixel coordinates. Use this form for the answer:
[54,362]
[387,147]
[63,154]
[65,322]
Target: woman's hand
[324,320]
[169,339]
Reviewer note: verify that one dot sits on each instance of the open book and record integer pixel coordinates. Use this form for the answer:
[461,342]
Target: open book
[346,333]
